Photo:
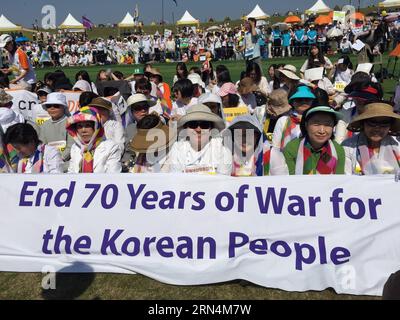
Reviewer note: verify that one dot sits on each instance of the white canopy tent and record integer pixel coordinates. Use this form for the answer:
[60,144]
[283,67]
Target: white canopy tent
[389,4]
[127,22]
[257,13]
[187,19]
[72,25]
[6,25]
[319,7]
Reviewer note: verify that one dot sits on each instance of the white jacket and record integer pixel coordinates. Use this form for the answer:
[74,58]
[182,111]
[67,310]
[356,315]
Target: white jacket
[115,132]
[9,117]
[52,161]
[214,158]
[107,158]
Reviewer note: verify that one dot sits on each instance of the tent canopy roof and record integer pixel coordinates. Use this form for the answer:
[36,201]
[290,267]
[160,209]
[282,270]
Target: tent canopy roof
[7,25]
[257,13]
[187,18]
[319,7]
[71,23]
[128,21]
[389,3]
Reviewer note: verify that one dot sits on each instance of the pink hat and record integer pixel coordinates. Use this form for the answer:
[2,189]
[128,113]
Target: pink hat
[227,88]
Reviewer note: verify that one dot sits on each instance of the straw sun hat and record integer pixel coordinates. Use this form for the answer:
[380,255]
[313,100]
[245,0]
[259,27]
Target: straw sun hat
[376,110]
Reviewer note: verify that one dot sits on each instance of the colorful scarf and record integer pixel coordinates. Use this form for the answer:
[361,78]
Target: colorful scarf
[327,162]
[289,133]
[87,149]
[37,162]
[387,161]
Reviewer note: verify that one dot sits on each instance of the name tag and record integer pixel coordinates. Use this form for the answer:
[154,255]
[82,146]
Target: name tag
[42,119]
[200,169]
[249,53]
[340,85]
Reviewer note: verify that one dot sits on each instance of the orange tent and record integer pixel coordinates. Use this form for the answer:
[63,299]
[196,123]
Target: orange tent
[323,20]
[330,15]
[357,16]
[292,19]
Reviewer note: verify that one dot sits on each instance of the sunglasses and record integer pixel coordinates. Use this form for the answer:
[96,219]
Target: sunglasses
[379,124]
[201,124]
[55,106]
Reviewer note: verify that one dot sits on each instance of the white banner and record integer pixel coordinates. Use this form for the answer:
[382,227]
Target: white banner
[29,106]
[291,233]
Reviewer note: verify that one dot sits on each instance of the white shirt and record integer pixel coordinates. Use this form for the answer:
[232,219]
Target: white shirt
[178,108]
[214,158]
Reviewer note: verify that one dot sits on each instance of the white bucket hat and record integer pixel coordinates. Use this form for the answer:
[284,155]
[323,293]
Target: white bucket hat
[82,85]
[196,79]
[4,39]
[56,98]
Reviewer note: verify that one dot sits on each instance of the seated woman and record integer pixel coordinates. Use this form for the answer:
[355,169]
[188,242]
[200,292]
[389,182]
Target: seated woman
[199,148]
[315,152]
[251,154]
[28,154]
[53,131]
[374,150]
[151,143]
[91,152]
[287,128]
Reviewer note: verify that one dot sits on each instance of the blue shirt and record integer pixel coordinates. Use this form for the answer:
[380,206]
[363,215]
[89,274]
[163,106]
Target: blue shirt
[299,34]
[286,39]
[276,34]
[312,36]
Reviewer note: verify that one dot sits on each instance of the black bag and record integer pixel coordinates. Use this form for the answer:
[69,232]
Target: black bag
[261,99]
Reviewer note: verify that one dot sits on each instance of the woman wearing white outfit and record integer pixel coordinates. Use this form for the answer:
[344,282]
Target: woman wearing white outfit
[200,147]
[91,153]
[8,116]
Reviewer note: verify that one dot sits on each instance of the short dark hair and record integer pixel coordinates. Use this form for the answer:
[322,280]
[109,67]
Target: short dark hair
[86,98]
[149,122]
[143,84]
[185,87]
[21,133]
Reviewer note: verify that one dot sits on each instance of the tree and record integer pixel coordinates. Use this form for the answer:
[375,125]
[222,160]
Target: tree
[337,8]
[211,20]
[227,19]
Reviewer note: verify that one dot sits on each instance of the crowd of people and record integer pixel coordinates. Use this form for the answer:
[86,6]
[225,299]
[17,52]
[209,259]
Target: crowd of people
[190,44]
[326,118]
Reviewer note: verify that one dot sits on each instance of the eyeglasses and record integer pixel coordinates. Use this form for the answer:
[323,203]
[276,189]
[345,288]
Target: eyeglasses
[202,124]
[379,124]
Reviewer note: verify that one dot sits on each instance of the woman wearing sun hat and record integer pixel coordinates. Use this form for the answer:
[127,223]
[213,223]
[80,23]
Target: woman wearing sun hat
[151,144]
[315,152]
[288,77]
[288,127]
[199,148]
[91,153]
[374,150]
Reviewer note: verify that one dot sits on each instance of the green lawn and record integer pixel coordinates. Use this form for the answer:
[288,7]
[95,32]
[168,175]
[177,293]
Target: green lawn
[137,287]
[235,67]
[110,286]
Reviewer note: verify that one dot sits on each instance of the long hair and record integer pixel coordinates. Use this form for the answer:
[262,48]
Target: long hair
[320,57]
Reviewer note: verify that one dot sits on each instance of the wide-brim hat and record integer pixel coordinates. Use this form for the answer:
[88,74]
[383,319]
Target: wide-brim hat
[101,103]
[147,140]
[201,112]
[136,98]
[290,72]
[5,97]
[376,110]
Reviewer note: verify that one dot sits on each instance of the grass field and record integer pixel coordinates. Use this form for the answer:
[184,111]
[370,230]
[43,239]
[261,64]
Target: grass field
[235,67]
[110,286]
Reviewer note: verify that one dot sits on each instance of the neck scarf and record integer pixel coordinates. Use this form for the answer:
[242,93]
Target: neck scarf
[87,149]
[289,131]
[387,161]
[327,162]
